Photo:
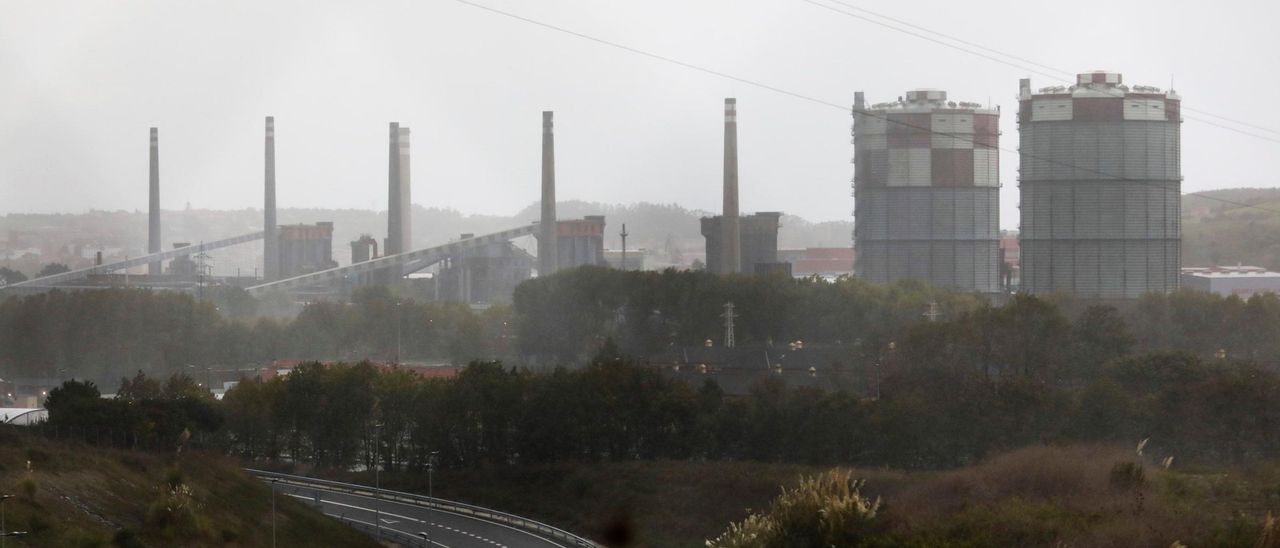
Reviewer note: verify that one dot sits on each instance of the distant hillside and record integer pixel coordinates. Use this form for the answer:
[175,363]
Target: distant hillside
[72,494]
[1231,226]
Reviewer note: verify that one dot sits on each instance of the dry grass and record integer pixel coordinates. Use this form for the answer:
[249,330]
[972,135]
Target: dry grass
[89,496]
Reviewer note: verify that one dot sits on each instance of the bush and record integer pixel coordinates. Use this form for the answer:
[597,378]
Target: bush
[825,510]
[28,487]
[1127,476]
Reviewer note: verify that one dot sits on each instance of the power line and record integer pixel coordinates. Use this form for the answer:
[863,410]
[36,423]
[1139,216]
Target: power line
[815,100]
[1023,59]
[1056,77]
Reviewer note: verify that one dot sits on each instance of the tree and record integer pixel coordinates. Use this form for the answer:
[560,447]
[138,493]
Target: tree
[9,276]
[53,268]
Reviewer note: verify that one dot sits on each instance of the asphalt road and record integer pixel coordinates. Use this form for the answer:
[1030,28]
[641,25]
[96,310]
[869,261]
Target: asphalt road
[447,529]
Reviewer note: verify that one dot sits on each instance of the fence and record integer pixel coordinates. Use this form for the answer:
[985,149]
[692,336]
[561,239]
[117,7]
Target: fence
[478,512]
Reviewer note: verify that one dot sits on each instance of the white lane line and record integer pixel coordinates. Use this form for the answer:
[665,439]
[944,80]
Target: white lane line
[409,518]
[544,539]
[344,518]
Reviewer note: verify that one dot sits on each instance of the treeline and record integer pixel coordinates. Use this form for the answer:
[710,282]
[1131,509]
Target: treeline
[104,335]
[927,417]
[563,318]
[144,414]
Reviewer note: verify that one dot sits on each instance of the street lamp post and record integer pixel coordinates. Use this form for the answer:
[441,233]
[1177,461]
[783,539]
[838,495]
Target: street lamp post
[377,483]
[431,505]
[399,320]
[273,510]
[3,529]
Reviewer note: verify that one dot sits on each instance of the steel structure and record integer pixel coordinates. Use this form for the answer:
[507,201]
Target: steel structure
[401,263]
[1100,182]
[926,191]
[153,258]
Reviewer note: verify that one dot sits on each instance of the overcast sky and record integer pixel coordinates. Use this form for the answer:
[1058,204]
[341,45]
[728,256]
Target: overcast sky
[80,83]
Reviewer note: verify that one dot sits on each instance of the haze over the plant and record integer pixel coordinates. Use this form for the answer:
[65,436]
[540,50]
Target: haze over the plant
[84,80]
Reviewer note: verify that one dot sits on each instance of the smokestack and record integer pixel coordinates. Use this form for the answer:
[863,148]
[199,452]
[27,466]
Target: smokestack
[392,245]
[270,249]
[153,212]
[547,255]
[731,253]
[405,200]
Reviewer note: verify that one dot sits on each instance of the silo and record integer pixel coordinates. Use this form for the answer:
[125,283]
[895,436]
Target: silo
[1101,182]
[926,191]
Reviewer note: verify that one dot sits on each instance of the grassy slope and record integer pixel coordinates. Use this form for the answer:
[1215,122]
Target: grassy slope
[85,496]
[1215,232]
[1031,497]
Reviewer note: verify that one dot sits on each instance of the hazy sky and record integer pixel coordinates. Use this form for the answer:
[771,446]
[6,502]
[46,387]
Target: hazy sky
[80,83]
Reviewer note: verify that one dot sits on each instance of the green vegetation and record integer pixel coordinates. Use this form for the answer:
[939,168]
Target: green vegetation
[1048,496]
[73,495]
[1227,233]
[107,335]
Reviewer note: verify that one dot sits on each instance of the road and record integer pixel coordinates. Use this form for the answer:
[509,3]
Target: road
[447,529]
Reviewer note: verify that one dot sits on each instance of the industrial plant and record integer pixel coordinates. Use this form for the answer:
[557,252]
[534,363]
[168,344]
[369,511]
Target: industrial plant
[1099,177]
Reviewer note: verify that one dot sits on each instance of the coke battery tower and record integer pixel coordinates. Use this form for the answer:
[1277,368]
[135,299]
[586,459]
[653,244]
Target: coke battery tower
[926,191]
[1101,185]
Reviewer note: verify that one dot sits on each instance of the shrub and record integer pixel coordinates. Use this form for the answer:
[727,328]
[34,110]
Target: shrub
[28,487]
[1127,476]
[824,510]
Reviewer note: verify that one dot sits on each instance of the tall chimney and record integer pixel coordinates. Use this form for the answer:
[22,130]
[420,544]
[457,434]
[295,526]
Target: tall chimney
[731,250]
[392,245]
[405,201]
[547,255]
[270,247]
[153,212]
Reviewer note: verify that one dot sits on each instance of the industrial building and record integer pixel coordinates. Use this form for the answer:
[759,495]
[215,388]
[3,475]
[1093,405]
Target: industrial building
[484,274]
[737,244]
[305,249]
[926,191]
[1241,281]
[758,242]
[1101,183]
[578,242]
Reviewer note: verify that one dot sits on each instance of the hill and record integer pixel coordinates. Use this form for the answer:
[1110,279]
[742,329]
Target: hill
[70,494]
[1223,227]
[1081,495]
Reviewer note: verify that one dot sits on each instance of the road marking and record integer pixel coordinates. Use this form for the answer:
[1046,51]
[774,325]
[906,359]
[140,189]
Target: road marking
[303,485]
[390,522]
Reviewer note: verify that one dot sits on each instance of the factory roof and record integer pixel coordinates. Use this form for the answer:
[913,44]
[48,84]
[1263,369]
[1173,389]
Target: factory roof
[1230,272]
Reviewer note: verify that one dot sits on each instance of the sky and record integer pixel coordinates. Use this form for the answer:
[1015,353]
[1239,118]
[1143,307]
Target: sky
[83,80]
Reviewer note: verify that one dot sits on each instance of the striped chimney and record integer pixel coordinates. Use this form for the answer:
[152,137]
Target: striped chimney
[547,253]
[270,247]
[731,255]
[153,212]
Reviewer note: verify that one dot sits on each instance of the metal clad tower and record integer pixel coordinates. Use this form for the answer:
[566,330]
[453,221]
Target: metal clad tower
[1101,184]
[153,211]
[731,240]
[547,254]
[270,238]
[926,191]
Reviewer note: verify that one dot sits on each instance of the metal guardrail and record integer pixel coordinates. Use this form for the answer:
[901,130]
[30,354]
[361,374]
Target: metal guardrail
[478,512]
